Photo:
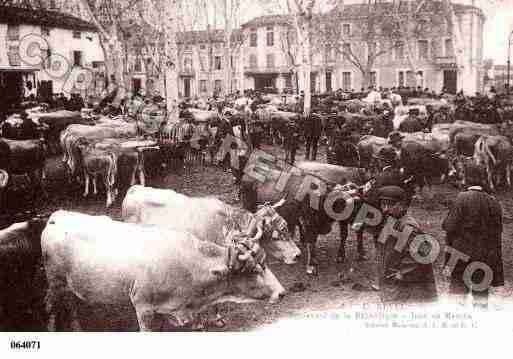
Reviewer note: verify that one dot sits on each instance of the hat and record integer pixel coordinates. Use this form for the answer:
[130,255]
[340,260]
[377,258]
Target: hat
[392,193]
[395,137]
[386,154]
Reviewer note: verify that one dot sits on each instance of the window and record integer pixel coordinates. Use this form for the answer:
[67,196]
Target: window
[137,65]
[232,62]
[202,47]
[187,63]
[328,81]
[372,48]
[288,81]
[13,32]
[329,53]
[270,60]
[14,55]
[270,36]
[45,31]
[217,63]
[399,51]
[218,86]
[346,51]
[203,85]
[420,79]
[400,79]
[77,34]
[423,49]
[449,50]
[373,78]
[253,38]
[253,60]
[346,29]
[77,58]
[234,85]
[346,81]
[411,81]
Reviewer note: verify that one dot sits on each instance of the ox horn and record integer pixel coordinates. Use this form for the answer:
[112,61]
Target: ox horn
[278,204]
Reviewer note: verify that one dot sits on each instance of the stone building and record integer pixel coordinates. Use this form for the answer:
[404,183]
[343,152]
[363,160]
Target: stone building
[267,62]
[45,52]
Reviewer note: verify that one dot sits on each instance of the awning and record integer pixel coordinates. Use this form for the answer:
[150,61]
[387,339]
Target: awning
[25,69]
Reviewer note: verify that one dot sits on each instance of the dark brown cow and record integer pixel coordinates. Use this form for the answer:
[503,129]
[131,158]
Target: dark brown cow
[297,209]
[22,282]
[26,157]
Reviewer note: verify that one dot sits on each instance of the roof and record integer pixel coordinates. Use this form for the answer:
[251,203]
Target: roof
[18,16]
[216,35]
[355,11]
[268,20]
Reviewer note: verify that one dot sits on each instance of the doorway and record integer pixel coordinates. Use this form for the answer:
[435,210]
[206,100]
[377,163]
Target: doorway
[136,85]
[264,81]
[328,81]
[187,87]
[450,81]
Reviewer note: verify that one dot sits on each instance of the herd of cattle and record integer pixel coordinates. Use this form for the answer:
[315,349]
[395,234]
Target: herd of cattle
[175,255]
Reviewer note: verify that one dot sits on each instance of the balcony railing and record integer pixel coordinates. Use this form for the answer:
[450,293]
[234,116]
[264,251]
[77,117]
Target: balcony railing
[446,61]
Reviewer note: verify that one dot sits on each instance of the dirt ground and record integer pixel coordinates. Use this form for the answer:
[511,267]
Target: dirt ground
[322,292]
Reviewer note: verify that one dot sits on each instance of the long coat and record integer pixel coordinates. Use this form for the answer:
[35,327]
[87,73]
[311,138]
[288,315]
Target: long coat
[402,279]
[474,227]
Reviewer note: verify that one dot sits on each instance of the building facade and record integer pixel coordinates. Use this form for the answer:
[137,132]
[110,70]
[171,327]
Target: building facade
[265,55]
[46,52]
[268,55]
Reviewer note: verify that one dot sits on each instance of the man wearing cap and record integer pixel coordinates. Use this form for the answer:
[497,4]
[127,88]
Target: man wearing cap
[402,277]
[395,139]
[389,174]
[412,123]
[474,228]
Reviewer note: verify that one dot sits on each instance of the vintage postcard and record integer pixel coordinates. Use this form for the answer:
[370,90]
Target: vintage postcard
[316,168]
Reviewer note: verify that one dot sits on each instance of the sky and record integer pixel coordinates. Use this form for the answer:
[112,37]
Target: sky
[498,25]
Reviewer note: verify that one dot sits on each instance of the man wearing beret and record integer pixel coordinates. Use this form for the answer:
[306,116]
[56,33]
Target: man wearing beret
[402,277]
[474,228]
[389,175]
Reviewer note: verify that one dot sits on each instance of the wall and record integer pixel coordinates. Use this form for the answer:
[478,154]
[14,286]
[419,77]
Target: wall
[62,45]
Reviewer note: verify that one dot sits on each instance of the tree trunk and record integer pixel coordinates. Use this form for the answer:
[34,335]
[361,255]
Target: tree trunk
[171,58]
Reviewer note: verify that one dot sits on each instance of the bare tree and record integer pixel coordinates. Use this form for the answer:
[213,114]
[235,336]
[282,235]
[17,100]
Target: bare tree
[161,16]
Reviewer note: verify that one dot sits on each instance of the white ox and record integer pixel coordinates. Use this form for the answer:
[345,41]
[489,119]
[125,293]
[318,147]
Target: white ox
[158,270]
[208,218]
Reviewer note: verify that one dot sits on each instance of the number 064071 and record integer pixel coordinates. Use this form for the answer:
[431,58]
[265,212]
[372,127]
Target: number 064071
[18,344]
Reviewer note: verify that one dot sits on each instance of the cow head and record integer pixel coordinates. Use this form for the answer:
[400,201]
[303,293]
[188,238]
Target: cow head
[272,231]
[246,273]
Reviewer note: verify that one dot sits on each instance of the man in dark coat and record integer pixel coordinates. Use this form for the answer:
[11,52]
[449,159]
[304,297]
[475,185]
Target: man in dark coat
[291,142]
[343,152]
[412,123]
[474,227]
[402,279]
[312,133]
